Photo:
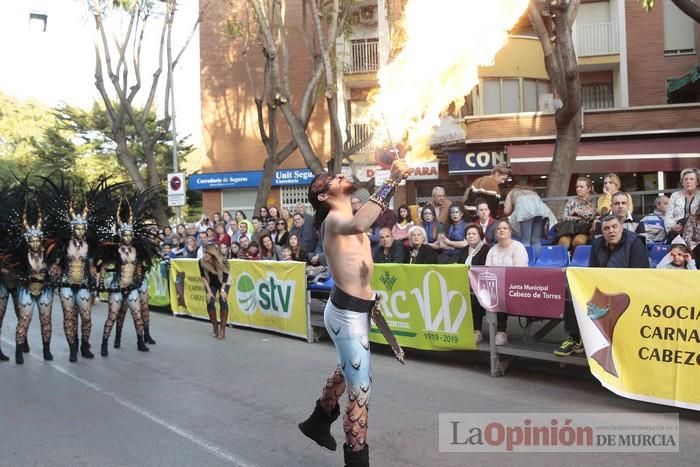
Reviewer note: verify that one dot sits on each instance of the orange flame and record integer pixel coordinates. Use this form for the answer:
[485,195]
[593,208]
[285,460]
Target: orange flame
[445,43]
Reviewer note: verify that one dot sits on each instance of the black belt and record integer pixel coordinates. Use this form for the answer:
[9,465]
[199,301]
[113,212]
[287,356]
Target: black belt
[345,301]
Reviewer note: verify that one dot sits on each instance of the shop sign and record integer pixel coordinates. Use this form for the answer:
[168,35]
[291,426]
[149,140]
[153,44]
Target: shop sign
[462,162]
[249,179]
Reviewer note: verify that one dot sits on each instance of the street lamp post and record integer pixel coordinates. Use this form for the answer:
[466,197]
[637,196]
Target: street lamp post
[172,107]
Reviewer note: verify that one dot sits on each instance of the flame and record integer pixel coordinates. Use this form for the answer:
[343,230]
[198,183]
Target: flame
[441,47]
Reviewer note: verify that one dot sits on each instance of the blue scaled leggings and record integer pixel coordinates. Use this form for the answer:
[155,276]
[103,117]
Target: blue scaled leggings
[348,330]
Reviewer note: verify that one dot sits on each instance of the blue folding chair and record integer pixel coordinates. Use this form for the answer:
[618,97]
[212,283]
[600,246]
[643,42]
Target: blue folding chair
[323,283]
[530,255]
[582,256]
[657,253]
[552,256]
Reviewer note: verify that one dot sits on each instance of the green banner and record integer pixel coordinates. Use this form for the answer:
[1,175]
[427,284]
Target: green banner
[158,289]
[264,294]
[427,306]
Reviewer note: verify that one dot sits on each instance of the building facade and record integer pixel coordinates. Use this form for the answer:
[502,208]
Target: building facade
[641,115]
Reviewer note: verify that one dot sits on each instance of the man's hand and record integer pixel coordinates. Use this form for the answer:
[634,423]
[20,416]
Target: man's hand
[400,169]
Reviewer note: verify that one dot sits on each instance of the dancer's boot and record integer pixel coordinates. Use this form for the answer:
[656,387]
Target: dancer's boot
[140,344]
[318,426]
[356,458]
[85,349]
[147,336]
[19,356]
[73,349]
[118,339]
[48,356]
[104,349]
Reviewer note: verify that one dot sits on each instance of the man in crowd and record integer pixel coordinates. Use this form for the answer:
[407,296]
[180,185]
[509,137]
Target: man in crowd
[485,220]
[620,208]
[305,232]
[440,204]
[388,250]
[654,222]
[258,229]
[616,248]
[356,204]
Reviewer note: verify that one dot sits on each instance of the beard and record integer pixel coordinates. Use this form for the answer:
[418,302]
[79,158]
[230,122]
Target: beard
[350,188]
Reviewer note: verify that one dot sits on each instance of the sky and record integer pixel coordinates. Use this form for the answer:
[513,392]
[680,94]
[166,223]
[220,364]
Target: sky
[57,65]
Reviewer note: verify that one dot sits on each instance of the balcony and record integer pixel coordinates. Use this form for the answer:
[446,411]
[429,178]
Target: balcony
[363,56]
[357,133]
[595,39]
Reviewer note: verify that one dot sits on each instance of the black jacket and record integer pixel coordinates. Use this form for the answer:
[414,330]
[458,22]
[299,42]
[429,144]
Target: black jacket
[426,255]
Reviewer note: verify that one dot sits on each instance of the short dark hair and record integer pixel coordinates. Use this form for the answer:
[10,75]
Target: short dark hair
[319,185]
[610,217]
[478,228]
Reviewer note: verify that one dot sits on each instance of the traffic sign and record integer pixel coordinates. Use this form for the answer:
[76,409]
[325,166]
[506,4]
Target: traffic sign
[176,189]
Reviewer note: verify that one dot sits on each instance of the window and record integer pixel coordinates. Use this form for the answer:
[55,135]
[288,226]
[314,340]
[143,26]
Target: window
[37,22]
[513,95]
[679,36]
[243,199]
[597,96]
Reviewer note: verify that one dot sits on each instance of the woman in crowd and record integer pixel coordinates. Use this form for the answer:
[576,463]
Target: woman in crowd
[419,251]
[240,216]
[181,233]
[225,250]
[227,217]
[431,227]
[286,216]
[529,214]
[268,250]
[191,248]
[169,236]
[576,219]
[682,204]
[280,234]
[222,238]
[452,239]
[298,253]
[611,185]
[506,252]
[233,250]
[475,255]
[678,257]
[403,222]
[263,214]
[691,233]
[273,213]
[214,271]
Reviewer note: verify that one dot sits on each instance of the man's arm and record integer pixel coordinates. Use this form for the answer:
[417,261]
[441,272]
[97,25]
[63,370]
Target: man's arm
[639,256]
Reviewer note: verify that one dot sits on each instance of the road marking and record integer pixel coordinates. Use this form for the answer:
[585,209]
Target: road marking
[217,451]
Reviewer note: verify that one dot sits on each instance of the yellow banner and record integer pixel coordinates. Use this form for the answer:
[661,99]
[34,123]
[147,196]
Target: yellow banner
[640,328]
[264,294]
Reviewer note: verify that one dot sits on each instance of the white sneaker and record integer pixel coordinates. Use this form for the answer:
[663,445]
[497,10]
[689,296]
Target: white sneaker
[501,338]
[478,337]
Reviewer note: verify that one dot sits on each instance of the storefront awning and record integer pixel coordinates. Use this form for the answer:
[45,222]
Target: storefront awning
[687,79]
[624,156]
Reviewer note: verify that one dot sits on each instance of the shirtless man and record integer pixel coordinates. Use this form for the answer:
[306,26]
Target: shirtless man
[346,315]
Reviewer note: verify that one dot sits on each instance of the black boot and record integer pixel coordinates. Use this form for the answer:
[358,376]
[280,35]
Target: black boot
[104,350]
[147,336]
[25,346]
[73,348]
[19,356]
[140,344]
[3,357]
[318,426]
[47,351]
[85,349]
[118,339]
[356,458]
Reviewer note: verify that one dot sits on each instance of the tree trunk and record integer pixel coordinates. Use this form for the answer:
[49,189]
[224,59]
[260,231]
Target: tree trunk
[301,139]
[563,160]
[689,7]
[269,168]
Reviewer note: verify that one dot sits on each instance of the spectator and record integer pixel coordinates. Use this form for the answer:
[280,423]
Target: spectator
[280,235]
[244,229]
[403,222]
[440,204]
[301,209]
[286,253]
[240,216]
[611,185]
[298,252]
[388,250]
[654,222]
[222,238]
[244,243]
[166,251]
[287,217]
[452,240]
[356,204]
[225,250]
[191,231]
[263,214]
[487,188]
[430,226]
[268,250]
[529,214]
[216,218]
[210,236]
[617,248]
[232,230]
[181,237]
[227,217]
[214,271]
[169,236]
[506,252]
[304,229]
[475,255]
[620,208]
[270,226]
[682,203]
[253,252]
[386,219]
[258,230]
[577,217]
[273,212]
[203,224]
[233,250]
[485,220]
[691,233]
[678,257]
[191,248]
[419,251]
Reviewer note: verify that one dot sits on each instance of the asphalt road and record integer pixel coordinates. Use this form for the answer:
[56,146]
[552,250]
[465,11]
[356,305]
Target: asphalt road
[196,401]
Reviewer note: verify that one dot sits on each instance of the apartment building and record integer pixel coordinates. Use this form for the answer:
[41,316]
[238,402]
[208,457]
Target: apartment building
[639,76]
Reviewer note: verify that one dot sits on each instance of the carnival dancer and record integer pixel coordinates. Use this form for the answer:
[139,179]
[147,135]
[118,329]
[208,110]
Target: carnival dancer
[127,256]
[346,315]
[34,287]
